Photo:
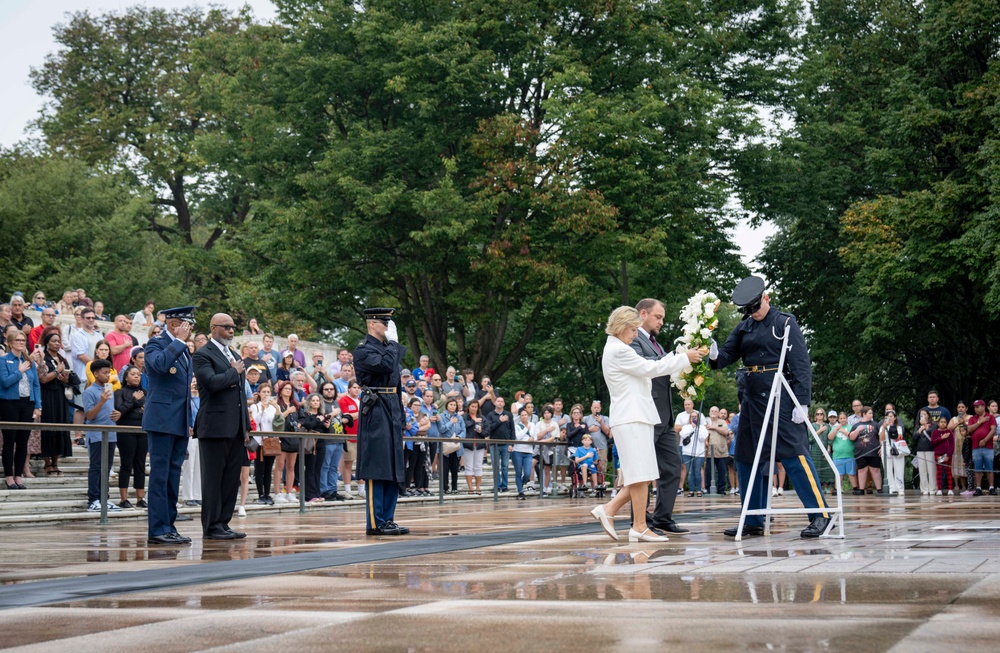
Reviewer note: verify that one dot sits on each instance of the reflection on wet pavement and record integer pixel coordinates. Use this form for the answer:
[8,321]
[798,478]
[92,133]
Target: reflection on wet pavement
[922,573]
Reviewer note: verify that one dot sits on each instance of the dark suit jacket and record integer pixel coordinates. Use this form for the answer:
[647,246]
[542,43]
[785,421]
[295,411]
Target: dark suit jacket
[661,384]
[223,411]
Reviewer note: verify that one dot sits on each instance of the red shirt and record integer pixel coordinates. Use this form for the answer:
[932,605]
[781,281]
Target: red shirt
[981,435]
[116,339]
[349,405]
[35,336]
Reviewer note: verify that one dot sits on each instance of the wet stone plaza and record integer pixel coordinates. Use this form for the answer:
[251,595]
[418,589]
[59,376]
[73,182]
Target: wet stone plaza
[913,574]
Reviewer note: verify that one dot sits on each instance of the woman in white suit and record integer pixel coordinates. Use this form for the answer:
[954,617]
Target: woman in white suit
[633,416]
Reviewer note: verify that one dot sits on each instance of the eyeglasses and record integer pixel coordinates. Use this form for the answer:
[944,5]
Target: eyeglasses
[89,317]
[20,340]
[227,327]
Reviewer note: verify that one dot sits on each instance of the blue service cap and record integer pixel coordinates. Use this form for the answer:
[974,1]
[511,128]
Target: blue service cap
[185,313]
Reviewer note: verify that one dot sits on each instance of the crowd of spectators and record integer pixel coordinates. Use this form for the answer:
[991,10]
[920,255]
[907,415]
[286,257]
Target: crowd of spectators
[92,371]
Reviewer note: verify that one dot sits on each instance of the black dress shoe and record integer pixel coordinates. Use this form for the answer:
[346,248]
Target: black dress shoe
[816,527]
[180,539]
[670,527]
[403,530]
[166,538]
[388,529]
[225,535]
[236,534]
[374,531]
[182,518]
[748,531]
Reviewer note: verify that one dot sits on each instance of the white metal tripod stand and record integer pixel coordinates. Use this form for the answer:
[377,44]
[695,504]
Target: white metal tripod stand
[773,405]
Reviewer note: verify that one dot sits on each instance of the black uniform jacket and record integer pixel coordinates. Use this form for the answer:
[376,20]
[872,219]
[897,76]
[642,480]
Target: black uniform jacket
[756,344]
[380,432]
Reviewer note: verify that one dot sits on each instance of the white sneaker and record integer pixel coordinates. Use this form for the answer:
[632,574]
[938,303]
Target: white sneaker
[95,506]
[938,493]
[774,491]
[291,497]
[781,491]
[361,491]
[241,512]
[951,493]
[280,498]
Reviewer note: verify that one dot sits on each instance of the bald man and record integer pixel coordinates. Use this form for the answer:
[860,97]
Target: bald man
[222,427]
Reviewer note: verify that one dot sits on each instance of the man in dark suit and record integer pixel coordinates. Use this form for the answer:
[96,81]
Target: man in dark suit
[166,418]
[668,457]
[221,427]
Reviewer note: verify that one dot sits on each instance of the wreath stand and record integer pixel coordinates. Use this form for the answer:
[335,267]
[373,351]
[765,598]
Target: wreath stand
[771,419]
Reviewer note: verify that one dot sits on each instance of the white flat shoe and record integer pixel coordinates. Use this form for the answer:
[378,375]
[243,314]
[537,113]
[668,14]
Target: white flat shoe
[645,536]
[607,523]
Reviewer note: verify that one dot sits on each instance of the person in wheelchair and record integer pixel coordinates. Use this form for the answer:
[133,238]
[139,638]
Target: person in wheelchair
[585,464]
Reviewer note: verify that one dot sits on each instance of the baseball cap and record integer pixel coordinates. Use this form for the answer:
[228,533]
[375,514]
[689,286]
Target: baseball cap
[978,402]
[832,413]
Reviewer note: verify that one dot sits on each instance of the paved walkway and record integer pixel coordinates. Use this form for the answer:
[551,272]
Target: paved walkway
[913,574]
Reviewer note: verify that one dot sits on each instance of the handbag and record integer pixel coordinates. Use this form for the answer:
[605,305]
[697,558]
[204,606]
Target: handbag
[272,446]
[448,448]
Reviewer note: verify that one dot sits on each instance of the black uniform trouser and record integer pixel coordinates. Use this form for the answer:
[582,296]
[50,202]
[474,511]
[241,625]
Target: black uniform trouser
[221,462]
[449,467]
[668,461]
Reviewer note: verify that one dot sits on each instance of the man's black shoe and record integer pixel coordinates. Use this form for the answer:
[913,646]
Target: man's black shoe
[166,538]
[993,491]
[225,535]
[816,528]
[180,539]
[403,530]
[670,527]
[373,531]
[748,531]
[181,517]
[389,528]
[977,493]
[192,503]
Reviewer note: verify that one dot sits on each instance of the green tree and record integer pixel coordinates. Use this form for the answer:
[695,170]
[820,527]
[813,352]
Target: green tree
[127,97]
[67,225]
[883,195]
[505,174]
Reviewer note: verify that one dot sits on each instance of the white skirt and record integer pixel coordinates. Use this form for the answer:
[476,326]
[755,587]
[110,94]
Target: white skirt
[636,452]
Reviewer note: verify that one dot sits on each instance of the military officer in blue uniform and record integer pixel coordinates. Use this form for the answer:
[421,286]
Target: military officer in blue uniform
[380,426]
[757,340]
[166,419]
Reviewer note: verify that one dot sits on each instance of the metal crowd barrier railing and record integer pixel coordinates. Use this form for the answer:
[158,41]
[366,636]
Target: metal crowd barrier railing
[105,430]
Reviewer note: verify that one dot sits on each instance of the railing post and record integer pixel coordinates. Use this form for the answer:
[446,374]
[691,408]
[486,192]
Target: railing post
[104,478]
[302,475]
[441,474]
[496,472]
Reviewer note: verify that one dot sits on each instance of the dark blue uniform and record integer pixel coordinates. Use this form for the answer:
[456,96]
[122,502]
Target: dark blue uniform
[380,432]
[759,347]
[166,418]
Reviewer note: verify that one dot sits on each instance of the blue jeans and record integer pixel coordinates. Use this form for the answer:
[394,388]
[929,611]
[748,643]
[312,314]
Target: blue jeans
[522,469]
[983,459]
[503,460]
[329,474]
[94,471]
[693,465]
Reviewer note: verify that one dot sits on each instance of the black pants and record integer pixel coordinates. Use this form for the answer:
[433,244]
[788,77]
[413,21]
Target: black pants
[449,467]
[409,455]
[420,464]
[262,474]
[314,465]
[221,463]
[668,463]
[132,450]
[15,441]
[721,474]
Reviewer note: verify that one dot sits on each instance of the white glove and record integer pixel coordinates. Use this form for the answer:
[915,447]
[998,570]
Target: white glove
[799,414]
[390,332]
[713,352]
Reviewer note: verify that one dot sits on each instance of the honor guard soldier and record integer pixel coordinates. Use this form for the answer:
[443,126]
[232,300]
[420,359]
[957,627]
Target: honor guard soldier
[757,340]
[166,419]
[380,426]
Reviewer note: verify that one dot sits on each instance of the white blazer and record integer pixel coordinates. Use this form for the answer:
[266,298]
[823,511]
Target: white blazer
[629,378]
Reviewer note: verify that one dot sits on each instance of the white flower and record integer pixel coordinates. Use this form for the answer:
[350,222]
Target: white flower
[688,369]
[681,384]
[710,310]
[706,333]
